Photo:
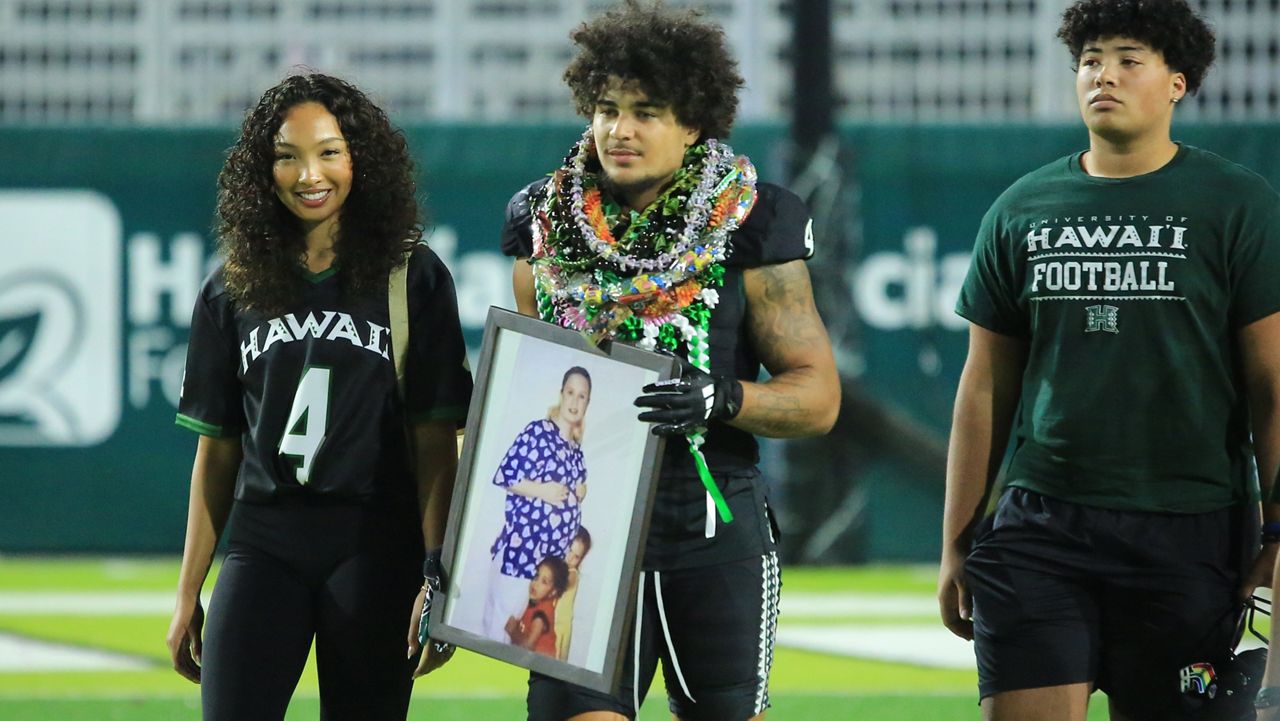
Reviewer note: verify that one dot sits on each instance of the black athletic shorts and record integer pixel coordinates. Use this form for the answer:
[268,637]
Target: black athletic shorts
[1065,593]
[344,575]
[713,629]
[678,523]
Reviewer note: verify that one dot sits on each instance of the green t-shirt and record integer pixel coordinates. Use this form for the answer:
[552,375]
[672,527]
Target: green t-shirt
[1130,293]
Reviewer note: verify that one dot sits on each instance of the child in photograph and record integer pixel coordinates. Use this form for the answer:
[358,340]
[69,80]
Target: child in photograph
[578,549]
[535,630]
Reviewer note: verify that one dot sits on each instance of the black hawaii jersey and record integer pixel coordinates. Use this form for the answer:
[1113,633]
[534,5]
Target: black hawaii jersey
[312,391]
[776,231]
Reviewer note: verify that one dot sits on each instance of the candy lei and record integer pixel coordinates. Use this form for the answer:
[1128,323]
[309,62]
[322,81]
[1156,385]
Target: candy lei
[655,286]
[679,242]
[720,170]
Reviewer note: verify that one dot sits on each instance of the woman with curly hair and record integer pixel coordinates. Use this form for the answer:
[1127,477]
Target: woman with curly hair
[291,385]
[1124,298]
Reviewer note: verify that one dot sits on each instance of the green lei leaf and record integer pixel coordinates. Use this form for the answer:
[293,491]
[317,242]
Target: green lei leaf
[698,313]
[715,275]
[668,336]
[635,229]
[672,205]
[610,208]
[631,329]
[645,227]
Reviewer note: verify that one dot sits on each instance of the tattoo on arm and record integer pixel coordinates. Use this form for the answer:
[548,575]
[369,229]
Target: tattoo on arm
[791,341]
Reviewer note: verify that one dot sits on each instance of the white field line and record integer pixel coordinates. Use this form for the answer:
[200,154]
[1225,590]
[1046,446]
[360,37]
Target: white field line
[854,604]
[884,642]
[919,645]
[923,642]
[87,603]
[424,693]
[18,654]
[148,603]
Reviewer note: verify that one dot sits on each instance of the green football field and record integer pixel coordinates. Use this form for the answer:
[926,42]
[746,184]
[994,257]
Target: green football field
[121,606]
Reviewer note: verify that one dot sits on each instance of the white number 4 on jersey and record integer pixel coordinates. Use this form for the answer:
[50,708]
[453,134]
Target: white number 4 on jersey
[308,420]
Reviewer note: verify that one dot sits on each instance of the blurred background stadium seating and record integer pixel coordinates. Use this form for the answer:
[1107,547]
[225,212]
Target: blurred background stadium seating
[201,62]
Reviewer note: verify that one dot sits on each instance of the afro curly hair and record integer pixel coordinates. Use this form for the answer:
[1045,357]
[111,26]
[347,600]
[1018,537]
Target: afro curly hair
[263,243]
[674,57]
[1170,26]
[559,573]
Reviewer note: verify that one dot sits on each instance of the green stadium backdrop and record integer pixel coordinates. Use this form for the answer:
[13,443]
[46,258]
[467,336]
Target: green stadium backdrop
[106,240]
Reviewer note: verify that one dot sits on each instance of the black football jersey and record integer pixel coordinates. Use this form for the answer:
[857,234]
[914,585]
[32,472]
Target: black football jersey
[776,231]
[312,391]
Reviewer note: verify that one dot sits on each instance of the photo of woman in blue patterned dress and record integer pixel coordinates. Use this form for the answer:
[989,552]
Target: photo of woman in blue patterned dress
[545,479]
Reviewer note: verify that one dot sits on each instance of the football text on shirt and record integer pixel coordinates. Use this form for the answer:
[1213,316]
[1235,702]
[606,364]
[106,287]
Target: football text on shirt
[288,328]
[1108,258]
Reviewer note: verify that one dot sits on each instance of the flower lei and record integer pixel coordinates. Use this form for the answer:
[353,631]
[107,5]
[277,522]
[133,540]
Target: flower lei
[656,285]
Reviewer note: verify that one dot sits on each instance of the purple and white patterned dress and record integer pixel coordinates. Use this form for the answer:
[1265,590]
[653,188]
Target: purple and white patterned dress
[533,528]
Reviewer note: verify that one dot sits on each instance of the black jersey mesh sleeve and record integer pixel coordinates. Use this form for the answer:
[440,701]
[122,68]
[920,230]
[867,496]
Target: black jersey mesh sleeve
[778,230]
[210,401]
[517,229]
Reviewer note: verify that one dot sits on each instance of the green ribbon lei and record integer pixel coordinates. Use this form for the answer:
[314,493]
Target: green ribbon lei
[708,482]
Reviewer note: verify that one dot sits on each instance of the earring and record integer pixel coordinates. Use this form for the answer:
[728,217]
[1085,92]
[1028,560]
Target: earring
[1175,100]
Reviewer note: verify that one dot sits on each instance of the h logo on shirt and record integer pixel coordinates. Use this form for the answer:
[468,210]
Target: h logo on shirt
[1101,317]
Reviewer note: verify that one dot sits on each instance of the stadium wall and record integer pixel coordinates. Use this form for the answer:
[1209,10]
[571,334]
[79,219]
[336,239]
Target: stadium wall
[106,240]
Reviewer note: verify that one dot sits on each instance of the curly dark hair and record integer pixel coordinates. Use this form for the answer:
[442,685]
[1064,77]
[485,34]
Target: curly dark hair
[1170,26]
[263,243]
[675,58]
[559,573]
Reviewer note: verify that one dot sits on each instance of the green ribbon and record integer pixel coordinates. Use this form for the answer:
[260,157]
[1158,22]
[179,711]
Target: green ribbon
[631,329]
[698,314]
[715,275]
[709,483]
[668,336]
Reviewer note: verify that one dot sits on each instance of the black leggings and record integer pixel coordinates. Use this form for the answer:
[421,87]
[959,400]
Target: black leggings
[346,575]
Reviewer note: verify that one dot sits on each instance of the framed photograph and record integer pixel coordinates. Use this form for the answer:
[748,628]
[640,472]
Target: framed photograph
[551,502]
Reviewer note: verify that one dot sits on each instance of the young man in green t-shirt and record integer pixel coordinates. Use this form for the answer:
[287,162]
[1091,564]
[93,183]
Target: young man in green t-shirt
[1126,297]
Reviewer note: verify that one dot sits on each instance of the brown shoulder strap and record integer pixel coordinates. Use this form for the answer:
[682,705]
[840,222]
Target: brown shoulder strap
[398,308]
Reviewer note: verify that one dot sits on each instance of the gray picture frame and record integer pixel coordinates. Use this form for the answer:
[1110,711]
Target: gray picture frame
[471,481]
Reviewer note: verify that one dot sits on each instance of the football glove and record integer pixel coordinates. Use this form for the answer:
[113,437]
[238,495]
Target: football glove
[685,404]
